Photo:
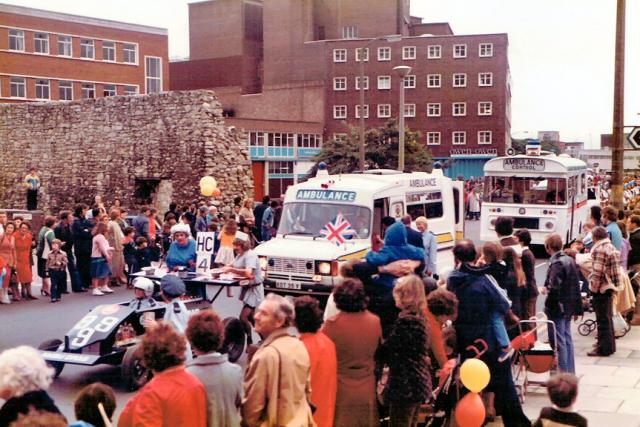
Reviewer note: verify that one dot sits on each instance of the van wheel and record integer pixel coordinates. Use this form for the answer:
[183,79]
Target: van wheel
[53,345]
[234,338]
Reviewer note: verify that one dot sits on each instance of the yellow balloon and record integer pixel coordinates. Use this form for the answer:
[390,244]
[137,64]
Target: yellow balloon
[208,180]
[207,190]
[475,375]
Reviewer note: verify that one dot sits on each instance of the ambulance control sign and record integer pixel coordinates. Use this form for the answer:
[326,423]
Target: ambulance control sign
[523,164]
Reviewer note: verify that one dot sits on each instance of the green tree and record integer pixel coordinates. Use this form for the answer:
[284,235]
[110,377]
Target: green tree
[381,151]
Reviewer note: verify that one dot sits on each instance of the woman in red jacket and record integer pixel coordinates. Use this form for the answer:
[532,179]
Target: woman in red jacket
[174,397]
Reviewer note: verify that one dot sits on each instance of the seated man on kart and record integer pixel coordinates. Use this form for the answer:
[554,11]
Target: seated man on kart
[143,289]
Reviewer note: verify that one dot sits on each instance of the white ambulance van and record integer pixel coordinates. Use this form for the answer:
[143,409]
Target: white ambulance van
[300,260]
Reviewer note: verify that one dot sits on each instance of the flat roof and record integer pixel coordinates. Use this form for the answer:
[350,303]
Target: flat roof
[47,14]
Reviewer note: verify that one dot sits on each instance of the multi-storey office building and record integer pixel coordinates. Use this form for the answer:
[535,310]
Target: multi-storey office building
[50,56]
[287,72]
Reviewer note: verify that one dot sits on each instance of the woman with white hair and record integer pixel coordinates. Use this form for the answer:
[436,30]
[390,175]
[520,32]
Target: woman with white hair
[24,379]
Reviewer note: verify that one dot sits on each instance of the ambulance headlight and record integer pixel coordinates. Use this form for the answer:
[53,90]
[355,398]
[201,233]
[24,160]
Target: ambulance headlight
[324,268]
[263,263]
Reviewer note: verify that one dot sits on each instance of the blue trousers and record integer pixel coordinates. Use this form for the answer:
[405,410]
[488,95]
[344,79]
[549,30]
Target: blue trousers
[566,360]
[58,282]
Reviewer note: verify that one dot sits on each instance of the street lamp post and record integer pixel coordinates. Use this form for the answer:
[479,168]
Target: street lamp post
[390,39]
[402,71]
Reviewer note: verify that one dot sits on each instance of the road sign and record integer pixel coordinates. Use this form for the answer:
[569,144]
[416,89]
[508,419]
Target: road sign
[634,138]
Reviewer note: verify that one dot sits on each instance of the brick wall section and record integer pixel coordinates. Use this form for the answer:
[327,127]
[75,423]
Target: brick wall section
[102,146]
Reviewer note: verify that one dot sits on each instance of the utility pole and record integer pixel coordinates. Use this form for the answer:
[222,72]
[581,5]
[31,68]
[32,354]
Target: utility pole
[617,161]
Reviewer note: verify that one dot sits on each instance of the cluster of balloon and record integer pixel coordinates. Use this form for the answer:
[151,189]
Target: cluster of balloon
[209,187]
[475,376]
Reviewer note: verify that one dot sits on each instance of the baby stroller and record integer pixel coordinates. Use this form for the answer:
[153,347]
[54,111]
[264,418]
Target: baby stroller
[535,352]
[588,325]
[439,412]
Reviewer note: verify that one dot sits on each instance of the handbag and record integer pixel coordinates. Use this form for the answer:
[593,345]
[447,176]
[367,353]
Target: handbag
[13,279]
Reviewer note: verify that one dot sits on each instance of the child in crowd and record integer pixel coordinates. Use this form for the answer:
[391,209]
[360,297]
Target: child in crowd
[57,269]
[491,258]
[563,391]
[142,254]
[86,406]
[129,252]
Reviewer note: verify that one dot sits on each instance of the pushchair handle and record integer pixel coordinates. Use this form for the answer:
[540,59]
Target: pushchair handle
[475,348]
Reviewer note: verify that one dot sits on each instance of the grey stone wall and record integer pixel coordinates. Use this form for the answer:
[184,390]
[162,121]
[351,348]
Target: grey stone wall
[128,147]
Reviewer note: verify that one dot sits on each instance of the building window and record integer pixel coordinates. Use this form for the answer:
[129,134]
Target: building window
[339,55]
[384,82]
[87,49]
[365,109]
[41,43]
[409,110]
[65,91]
[409,82]
[384,111]
[339,111]
[365,83]
[278,139]
[129,53]
[434,52]
[309,140]
[130,90]
[433,138]
[109,90]
[65,46]
[340,136]
[485,50]
[409,52]
[459,138]
[384,54]
[349,32]
[88,90]
[485,108]
[109,51]
[434,109]
[460,80]
[42,89]
[153,74]
[280,167]
[484,137]
[485,79]
[459,50]
[364,53]
[18,87]
[16,40]
[434,80]
[339,83]
[256,139]
[459,108]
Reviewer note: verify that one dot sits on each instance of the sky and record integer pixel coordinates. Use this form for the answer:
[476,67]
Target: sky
[561,52]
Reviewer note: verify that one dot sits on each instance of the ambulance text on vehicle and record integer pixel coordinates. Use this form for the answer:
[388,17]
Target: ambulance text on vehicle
[300,259]
[543,193]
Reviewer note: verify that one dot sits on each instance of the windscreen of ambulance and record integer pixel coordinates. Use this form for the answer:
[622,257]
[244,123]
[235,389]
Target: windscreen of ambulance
[529,190]
[304,218]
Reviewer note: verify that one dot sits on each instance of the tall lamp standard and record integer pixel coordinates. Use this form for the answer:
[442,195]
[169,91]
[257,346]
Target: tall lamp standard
[390,39]
[402,71]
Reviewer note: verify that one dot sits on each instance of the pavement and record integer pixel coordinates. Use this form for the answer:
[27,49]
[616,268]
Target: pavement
[609,393]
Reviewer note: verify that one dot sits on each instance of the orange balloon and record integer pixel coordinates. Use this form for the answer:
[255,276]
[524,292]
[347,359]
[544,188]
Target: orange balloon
[216,192]
[470,411]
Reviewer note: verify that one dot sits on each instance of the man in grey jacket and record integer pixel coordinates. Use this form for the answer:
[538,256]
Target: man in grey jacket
[221,378]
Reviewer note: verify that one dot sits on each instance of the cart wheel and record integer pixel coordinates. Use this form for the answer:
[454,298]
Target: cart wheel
[584,329]
[53,345]
[134,373]
[234,338]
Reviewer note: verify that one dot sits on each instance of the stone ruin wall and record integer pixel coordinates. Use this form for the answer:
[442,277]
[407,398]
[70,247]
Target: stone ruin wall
[126,147]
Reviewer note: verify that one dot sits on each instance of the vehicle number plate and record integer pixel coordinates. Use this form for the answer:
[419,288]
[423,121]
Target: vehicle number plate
[288,285]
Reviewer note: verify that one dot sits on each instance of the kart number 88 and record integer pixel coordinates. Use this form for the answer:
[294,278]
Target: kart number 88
[86,328]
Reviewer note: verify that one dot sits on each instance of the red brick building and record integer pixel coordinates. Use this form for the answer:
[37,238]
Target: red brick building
[50,56]
[285,71]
